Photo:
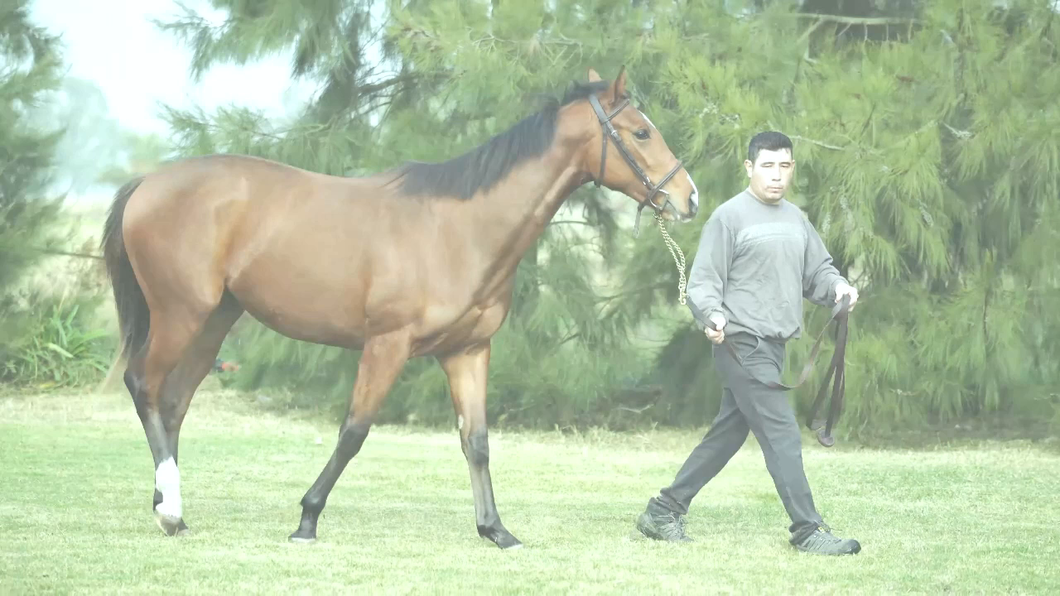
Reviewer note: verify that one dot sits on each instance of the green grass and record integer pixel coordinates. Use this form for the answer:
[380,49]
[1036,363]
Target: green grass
[76,485]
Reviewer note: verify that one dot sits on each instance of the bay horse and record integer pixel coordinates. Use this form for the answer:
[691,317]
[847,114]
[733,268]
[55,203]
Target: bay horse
[415,261]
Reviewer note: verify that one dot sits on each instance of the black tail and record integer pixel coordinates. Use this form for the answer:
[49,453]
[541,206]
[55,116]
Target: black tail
[134,318]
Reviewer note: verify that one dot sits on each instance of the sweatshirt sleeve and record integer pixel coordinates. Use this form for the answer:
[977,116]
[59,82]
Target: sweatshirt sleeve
[819,277]
[710,270]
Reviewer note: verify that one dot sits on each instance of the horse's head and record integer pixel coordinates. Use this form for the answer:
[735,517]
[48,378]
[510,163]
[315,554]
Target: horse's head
[643,167]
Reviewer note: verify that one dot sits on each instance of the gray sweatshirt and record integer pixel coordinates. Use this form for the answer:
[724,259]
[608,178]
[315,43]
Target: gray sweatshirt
[755,263]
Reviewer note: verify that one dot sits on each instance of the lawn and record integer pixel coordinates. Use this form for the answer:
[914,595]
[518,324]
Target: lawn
[76,485]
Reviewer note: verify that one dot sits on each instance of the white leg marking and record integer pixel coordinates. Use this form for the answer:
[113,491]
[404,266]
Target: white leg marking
[459,423]
[167,481]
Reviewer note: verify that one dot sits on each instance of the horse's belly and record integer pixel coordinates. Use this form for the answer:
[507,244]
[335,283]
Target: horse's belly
[309,323]
[474,326]
[294,302]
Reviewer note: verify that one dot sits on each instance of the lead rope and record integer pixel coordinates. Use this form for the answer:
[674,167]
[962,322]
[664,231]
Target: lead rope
[675,250]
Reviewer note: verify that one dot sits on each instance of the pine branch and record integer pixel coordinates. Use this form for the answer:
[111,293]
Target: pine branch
[63,253]
[960,134]
[1049,23]
[810,30]
[834,18]
[818,143]
[559,40]
[647,288]
[569,338]
[381,85]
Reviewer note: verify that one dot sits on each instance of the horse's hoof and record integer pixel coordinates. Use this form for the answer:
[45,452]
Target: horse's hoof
[825,440]
[182,529]
[300,538]
[502,538]
[172,526]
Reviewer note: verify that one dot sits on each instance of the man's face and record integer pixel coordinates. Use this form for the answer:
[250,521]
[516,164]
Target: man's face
[770,174]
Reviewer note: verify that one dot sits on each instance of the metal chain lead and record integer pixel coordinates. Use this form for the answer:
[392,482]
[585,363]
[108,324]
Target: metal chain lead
[675,250]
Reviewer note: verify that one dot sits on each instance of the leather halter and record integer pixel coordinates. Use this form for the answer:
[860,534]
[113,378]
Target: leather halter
[837,366]
[609,131]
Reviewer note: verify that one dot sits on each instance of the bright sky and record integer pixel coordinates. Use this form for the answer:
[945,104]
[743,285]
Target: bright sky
[113,44]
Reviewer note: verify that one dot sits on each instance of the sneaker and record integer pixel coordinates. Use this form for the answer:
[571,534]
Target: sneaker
[821,541]
[663,526]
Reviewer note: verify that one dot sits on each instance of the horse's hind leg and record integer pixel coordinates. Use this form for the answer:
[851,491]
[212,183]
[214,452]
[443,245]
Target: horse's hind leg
[381,361]
[467,372]
[161,381]
[169,337]
[180,384]
[151,421]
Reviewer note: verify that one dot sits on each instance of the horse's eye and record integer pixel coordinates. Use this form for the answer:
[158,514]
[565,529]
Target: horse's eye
[642,134]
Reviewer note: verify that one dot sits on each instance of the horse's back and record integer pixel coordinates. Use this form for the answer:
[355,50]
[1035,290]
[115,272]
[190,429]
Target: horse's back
[314,257]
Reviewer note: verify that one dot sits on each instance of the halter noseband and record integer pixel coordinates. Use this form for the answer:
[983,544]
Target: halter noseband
[609,131]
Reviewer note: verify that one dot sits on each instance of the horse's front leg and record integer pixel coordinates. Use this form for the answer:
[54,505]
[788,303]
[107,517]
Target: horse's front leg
[381,361]
[467,372]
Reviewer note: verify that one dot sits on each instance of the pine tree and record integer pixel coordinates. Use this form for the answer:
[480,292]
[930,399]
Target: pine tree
[29,68]
[926,160]
[434,91]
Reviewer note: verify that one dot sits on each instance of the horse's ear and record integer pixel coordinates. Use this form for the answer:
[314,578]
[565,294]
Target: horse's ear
[620,84]
[593,76]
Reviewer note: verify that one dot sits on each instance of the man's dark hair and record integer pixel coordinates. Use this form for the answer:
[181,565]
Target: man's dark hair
[769,140]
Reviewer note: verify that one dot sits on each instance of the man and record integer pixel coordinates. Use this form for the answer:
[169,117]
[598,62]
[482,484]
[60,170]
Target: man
[758,257]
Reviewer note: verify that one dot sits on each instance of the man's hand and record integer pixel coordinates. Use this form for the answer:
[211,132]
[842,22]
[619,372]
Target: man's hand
[844,289]
[719,335]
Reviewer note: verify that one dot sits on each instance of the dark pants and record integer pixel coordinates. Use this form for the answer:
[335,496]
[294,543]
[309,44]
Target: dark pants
[747,404]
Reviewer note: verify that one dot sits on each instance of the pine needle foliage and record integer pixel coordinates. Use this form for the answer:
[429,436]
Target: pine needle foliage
[30,65]
[927,158]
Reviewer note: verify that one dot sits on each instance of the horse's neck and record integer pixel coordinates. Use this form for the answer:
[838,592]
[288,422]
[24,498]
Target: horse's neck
[508,219]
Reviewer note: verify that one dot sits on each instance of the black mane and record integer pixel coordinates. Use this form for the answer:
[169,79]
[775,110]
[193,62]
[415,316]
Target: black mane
[487,164]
